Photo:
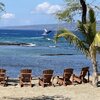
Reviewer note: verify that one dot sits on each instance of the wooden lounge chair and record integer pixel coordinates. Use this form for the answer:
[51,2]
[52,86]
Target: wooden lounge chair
[65,80]
[3,77]
[25,77]
[46,78]
[81,78]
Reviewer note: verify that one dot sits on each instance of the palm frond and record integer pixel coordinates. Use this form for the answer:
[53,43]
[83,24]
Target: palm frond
[73,39]
[85,31]
[82,28]
[92,21]
[92,15]
[96,41]
[88,29]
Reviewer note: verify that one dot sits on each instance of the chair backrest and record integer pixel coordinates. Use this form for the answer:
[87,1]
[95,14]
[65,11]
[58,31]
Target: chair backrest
[26,71]
[84,71]
[47,75]
[2,71]
[2,77]
[67,73]
[26,75]
[2,74]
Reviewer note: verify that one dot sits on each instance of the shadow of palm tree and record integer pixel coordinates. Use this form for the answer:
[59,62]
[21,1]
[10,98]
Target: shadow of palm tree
[43,97]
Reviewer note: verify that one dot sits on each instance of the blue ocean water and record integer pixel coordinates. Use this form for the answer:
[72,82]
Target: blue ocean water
[41,53]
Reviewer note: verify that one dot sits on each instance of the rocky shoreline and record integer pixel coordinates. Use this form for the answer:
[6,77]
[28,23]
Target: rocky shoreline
[15,43]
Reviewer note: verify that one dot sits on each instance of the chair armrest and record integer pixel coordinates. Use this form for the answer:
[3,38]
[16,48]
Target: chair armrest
[53,77]
[7,77]
[52,81]
[20,77]
[72,78]
[59,76]
[75,76]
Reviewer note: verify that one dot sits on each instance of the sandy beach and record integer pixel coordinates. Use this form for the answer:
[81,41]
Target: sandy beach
[45,41]
[71,92]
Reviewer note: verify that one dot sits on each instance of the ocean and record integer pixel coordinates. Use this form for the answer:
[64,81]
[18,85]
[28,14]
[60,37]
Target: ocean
[31,49]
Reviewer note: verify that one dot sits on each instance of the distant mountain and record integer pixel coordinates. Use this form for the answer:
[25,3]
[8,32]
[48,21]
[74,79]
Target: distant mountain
[41,27]
[70,26]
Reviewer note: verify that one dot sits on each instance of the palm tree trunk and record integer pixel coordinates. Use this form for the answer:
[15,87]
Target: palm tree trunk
[94,64]
[84,10]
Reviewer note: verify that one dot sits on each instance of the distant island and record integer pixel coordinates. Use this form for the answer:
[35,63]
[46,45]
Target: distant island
[70,26]
[16,44]
[41,27]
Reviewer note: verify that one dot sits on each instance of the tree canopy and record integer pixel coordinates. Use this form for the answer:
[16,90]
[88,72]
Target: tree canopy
[74,8]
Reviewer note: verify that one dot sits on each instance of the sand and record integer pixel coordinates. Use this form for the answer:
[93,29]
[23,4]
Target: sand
[71,92]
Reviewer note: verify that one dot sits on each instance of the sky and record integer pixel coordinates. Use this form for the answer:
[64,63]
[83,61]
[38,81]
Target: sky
[30,12]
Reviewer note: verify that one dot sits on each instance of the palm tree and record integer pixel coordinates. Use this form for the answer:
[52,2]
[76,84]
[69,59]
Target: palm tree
[89,44]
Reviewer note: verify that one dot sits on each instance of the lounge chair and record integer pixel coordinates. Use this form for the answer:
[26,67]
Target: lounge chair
[3,77]
[25,77]
[81,78]
[65,79]
[46,78]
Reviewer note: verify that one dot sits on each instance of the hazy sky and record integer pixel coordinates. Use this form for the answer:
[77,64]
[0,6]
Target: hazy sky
[30,12]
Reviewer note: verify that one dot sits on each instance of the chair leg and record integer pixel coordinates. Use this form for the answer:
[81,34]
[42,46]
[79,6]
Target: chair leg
[21,84]
[39,84]
[5,84]
[43,85]
[57,80]
[31,84]
[64,84]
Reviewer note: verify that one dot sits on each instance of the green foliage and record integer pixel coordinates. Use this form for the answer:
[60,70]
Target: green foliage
[1,6]
[72,8]
[91,37]
[88,31]
[91,15]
